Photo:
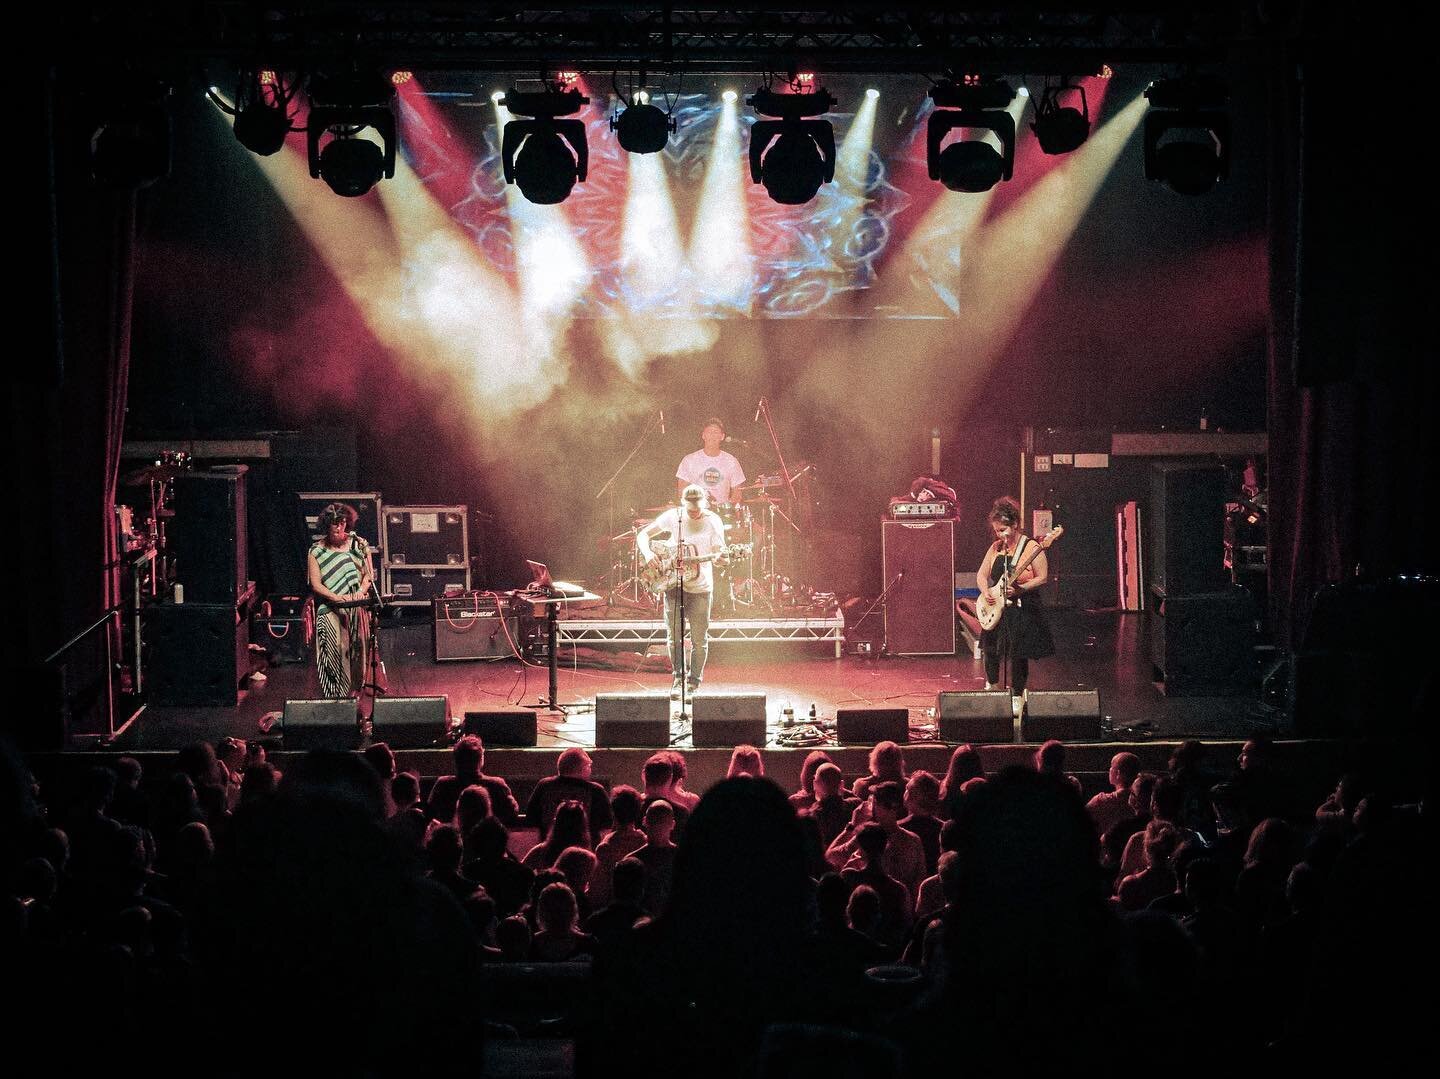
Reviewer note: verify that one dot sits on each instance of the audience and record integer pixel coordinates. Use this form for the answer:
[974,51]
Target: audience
[469,758]
[571,782]
[214,881]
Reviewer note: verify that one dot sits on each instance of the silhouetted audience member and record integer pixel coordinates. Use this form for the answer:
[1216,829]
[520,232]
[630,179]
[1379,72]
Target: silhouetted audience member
[964,766]
[1165,805]
[1260,887]
[839,941]
[904,854]
[491,865]
[382,759]
[571,782]
[922,800]
[896,908]
[745,761]
[569,828]
[611,923]
[887,765]
[1264,790]
[1041,974]
[130,804]
[729,956]
[1189,769]
[658,774]
[675,792]
[469,760]
[259,783]
[315,904]
[1050,760]
[559,937]
[832,809]
[471,808]
[578,866]
[804,798]
[624,839]
[512,937]
[443,853]
[658,855]
[1156,878]
[925,948]
[1109,808]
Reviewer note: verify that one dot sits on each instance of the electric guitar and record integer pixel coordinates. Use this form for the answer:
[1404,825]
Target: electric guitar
[661,572]
[990,607]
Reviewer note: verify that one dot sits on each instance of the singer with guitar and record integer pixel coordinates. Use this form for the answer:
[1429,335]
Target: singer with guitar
[1009,605]
[341,576]
[697,543]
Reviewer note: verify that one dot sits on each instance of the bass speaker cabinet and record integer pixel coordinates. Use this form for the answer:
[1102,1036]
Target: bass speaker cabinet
[1187,527]
[411,722]
[1071,715]
[195,653]
[1203,645]
[323,724]
[632,719]
[919,578]
[207,534]
[504,726]
[729,719]
[871,725]
[978,716]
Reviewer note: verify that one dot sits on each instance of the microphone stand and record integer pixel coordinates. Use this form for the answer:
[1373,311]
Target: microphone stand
[374,664]
[681,666]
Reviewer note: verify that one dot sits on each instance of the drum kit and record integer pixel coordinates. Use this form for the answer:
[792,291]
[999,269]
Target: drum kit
[759,522]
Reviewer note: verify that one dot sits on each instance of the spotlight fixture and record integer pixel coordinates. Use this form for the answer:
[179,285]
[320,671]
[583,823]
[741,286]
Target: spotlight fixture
[1061,128]
[343,106]
[803,155]
[261,111]
[974,103]
[1188,115]
[642,128]
[545,156]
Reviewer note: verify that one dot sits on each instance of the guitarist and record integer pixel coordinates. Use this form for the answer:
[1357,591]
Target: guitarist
[702,533]
[1022,634]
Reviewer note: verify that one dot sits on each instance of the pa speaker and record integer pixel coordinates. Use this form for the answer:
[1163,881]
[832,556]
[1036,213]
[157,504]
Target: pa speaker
[410,722]
[632,719]
[1187,527]
[195,653]
[1071,715]
[729,719]
[872,725]
[504,726]
[981,716]
[207,535]
[919,560]
[324,724]
[1203,645]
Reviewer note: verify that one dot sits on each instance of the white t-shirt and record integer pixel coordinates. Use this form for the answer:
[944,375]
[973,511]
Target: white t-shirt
[704,536]
[716,474]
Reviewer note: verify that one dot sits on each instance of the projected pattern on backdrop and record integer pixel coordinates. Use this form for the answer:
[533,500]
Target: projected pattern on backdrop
[804,257]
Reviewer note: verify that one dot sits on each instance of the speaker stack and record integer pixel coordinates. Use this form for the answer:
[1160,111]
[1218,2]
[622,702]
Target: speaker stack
[919,571]
[1201,629]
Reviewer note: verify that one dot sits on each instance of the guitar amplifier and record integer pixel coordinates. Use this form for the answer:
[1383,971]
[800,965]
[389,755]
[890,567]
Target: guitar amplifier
[920,509]
[474,626]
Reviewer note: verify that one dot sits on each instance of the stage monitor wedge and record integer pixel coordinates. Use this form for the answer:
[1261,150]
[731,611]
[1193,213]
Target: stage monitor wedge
[321,724]
[1070,715]
[976,716]
[504,726]
[729,719]
[871,725]
[411,722]
[632,719]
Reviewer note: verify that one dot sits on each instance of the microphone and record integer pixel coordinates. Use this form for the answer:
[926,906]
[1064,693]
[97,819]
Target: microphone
[732,441]
[758,406]
[662,421]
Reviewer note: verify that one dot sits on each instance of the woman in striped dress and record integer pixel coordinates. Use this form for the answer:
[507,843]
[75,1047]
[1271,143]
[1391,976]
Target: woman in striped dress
[341,573]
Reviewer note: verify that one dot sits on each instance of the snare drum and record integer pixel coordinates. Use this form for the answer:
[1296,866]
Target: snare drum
[736,518]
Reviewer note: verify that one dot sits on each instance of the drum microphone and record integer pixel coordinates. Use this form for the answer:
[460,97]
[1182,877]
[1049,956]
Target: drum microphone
[662,421]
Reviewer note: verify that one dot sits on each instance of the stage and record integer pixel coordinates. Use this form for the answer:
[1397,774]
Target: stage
[1101,649]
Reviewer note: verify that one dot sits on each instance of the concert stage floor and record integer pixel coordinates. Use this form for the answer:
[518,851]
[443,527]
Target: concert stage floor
[1103,649]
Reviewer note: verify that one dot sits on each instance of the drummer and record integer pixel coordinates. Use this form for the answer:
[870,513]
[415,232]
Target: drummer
[710,467]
